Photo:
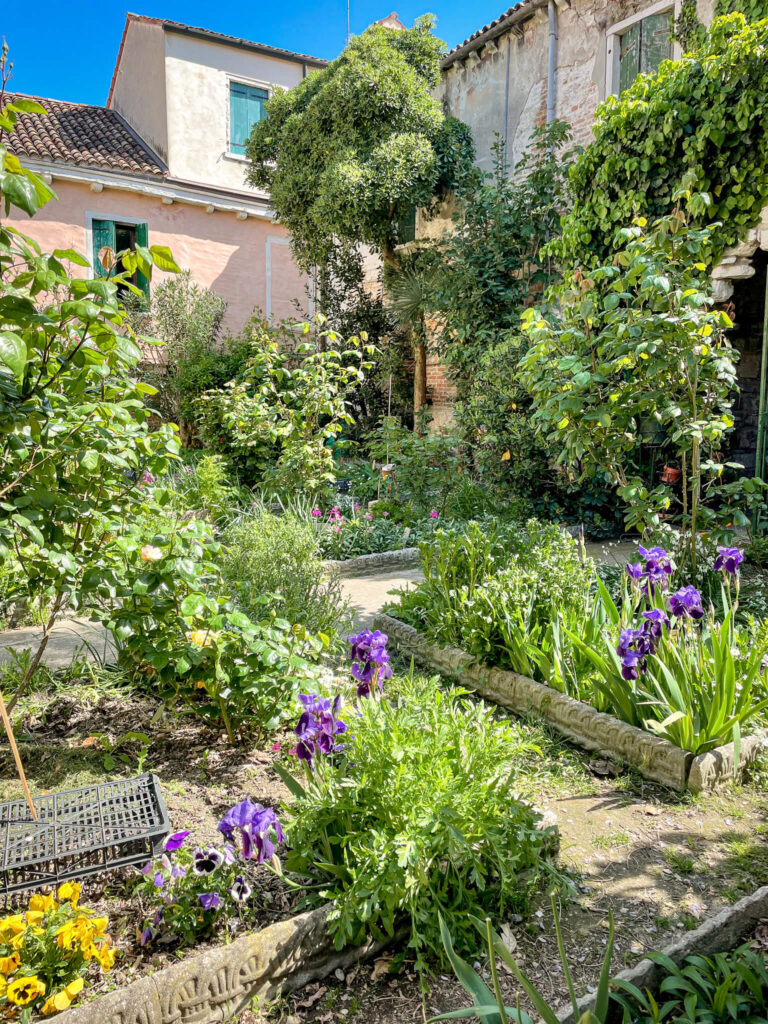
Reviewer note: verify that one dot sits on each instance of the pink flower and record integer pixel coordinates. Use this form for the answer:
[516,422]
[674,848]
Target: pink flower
[275,747]
[369,517]
[433,514]
[386,514]
[316,512]
[357,508]
[337,529]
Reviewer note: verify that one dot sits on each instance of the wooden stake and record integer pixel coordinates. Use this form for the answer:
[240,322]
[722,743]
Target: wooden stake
[16,757]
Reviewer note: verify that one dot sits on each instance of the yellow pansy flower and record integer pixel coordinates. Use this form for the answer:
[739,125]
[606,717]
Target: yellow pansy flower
[23,991]
[44,903]
[106,958]
[70,891]
[99,925]
[8,964]
[12,925]
[34,916]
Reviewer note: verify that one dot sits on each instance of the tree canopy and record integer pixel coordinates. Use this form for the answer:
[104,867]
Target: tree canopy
[353,148]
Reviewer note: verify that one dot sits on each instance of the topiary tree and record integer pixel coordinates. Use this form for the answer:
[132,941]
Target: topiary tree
[348,153]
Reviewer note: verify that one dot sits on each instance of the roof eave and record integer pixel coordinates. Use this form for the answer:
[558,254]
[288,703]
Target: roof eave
[521,13]
[243,44]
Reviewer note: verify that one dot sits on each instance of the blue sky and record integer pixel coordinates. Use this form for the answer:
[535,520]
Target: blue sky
[66,50]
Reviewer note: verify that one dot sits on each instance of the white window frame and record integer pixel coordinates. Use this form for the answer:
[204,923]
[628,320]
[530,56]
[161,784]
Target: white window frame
[615,32]
[256,83]
[117,218]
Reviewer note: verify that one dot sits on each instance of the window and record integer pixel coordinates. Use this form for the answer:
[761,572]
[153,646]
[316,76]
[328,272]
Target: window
[246,107]
[639,45]
[118,236]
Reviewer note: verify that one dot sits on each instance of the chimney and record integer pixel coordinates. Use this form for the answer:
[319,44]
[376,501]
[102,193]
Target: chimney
[391,21]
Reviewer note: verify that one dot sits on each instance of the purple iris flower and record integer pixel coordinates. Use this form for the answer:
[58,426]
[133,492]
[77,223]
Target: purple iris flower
[255,824]
[206,860]
[629,664]
[686,604]
[176,841]
[318,727]
[729,559]
[370,660]
[655,571]
[656,620]
[633,647]
[210,900]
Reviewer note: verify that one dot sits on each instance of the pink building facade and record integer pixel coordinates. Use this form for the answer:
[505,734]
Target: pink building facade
[163,164]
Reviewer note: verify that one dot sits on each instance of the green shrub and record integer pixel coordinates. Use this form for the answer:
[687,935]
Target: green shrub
[177,629]
[203,486]
[418,817]
[277,557]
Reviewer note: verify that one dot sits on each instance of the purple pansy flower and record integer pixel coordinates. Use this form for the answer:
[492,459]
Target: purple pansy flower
[255,824]
[206,860]
[729,559]
[240,890]
[686,604]
[176,841]
[210,900]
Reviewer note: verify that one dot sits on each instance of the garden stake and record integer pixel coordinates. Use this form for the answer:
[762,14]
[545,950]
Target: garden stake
[16,757]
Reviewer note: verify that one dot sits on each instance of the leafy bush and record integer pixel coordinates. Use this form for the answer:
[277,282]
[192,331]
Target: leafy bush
[175,626]
[203,486]
[275,558]
[46,951]
[417,816]
[278,420]
[187,319]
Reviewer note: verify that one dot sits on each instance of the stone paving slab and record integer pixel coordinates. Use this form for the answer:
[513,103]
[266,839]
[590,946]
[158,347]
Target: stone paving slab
[368,594]
[69,639]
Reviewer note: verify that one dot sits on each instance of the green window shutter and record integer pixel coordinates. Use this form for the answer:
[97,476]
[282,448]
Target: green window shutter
[142,238]
[656,41]
[629,60]
[103,232]
[246,107]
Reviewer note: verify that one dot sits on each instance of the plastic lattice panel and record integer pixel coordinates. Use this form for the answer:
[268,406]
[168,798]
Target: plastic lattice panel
[80,832]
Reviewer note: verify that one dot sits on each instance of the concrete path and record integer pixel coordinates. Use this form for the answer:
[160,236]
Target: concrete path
[367,595]
[69,639]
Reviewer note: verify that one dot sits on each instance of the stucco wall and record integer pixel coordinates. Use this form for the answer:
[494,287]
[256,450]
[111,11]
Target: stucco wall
[198,73]
[139,90]
[474,89]
[222,252]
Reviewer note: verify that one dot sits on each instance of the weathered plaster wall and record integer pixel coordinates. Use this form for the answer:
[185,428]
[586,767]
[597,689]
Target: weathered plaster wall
[514,65]
[139,91]
[198,74]
[247,262]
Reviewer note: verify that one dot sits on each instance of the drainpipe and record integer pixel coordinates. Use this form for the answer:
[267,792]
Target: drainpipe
[762,426]
[552,63]
[506,100]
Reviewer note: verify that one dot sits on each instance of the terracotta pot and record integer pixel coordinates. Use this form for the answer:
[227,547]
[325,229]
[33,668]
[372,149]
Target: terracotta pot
[671,475]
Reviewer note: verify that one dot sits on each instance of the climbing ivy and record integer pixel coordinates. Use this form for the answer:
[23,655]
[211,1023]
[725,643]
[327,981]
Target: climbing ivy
[701,123]
[753,10]
[689,31]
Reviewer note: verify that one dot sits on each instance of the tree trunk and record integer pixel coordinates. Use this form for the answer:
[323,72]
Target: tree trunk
[419,377]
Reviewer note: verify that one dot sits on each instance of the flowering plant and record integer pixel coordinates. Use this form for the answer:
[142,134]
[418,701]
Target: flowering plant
[680,674]
[193,889]
[46,950]
[318,727]
[370,661]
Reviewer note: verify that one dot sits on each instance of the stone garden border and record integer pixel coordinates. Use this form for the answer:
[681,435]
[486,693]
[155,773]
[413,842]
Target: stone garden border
[654,757]
[364,564]
[717,934]
[220,983]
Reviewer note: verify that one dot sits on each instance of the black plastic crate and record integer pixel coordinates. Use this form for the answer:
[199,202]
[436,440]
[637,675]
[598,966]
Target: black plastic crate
[81,832]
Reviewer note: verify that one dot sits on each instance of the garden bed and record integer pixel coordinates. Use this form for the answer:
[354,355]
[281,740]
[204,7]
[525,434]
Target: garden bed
[656,758]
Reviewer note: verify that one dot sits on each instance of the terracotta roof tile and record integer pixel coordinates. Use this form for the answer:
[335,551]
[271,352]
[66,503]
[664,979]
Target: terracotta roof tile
[75,133]
[466,46]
